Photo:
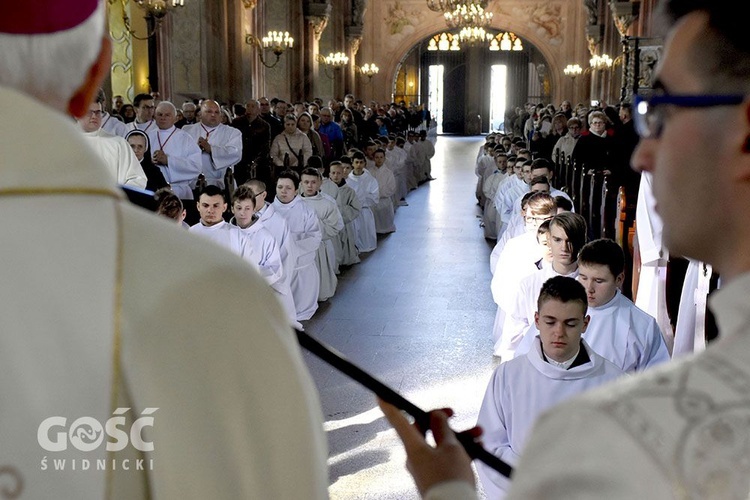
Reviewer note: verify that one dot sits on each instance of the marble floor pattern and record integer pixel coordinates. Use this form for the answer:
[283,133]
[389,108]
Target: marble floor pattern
[417,314]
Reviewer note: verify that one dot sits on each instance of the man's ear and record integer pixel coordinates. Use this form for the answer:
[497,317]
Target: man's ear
[84,96]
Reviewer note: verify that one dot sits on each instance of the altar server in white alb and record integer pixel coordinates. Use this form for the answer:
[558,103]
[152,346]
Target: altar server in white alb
[211,207]
[114,150]
[560,365]
[566,237]
[132,308]
[331,224]
[383,211]
[619,331]
[306,234]
[366,188]
[349,206]
[175,152]
[221,145]
[264,250]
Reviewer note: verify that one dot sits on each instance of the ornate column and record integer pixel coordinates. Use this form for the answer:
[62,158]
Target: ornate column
[353,36]
[623,15]
[316,20]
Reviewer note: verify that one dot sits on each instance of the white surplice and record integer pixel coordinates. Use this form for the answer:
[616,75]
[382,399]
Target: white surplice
[345,242]
[677,431]
[118,156]
[521,390]
[366,188]
[189,348]
[306,234]
[184,159]
[331,224]
[113,125]
[383,211]
[690,330]
[519,317]
[276,224]
[226,150]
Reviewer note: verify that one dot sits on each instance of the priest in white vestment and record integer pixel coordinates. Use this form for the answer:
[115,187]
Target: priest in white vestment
[559,366]
[366,188]
[349,206]
[651,295]
[103,329]
[175,152]
[114,150]
[383,211]
[144,106]
[331,224]
[221,145]
[113,125]
[306,234]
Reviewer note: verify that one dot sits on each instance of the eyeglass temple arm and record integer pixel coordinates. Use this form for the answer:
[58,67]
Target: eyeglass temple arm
[422,418]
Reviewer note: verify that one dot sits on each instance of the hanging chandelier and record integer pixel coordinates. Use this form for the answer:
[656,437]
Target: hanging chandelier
[473,35]
[159,8]
[450,5]
[468,15]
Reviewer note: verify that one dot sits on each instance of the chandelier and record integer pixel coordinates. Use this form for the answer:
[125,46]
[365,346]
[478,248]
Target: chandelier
[573,70]
[450,5]
[159,8]
[473,35]
[468,15]
[600,62]
[275,41]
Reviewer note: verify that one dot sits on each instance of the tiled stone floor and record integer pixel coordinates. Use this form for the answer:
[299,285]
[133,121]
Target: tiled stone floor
[417,314]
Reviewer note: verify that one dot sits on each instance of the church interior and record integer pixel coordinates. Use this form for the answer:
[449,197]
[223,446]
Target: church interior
[417,312]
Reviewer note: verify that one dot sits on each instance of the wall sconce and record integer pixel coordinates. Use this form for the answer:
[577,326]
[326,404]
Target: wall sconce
[333,61]
[368,70]
[156,11]
[572,70]
[276,41]
[602,62]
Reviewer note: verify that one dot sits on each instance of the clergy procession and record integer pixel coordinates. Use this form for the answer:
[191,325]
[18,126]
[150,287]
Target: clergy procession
[184,313]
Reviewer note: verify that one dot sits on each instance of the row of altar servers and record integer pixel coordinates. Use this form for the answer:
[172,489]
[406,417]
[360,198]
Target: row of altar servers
[643,332]
[300,246]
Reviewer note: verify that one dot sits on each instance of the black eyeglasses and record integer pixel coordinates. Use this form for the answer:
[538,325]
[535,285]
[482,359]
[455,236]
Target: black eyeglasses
[649,112]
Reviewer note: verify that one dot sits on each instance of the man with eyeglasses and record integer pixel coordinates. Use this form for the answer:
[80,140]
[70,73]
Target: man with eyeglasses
[681,431]
[114,150]
[144,113]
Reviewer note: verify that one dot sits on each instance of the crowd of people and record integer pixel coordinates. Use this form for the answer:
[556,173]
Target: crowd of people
[299,192]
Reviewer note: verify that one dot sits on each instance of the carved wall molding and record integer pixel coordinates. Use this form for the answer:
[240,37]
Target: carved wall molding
[318,24]
[250,4]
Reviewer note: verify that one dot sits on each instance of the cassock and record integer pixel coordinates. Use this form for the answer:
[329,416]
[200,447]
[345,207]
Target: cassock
[651,295]
[331,225]
[113,125]
[264,252]
[520,316]
[118,156]
[306,234]
[428,151]
[185,161]
[121,284]
[345,242]
[413,164]
[226,150]
[622,333]
[383,211]
[366,188]
[484,163]
[690,331]
[329,187]
[396,161]
[678,431]
[521,390]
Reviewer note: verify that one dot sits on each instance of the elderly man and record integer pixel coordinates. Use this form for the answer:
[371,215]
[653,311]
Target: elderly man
[333,131]
[221,145]
[679,431]
[103,296]
[114,150]
[175,152]
[188,115]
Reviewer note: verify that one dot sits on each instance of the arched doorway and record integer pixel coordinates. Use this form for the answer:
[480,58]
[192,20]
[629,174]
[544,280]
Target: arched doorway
[468,86]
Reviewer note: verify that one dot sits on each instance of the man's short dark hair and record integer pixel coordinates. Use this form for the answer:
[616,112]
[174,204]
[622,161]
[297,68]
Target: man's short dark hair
[291,175]
[541,163]
[311,171]
[539,179]
[563,203]
[603,252]
[315,162]
[212,190]
[345,160]
[243,192]
[563,289]
[140,98]
[358,155]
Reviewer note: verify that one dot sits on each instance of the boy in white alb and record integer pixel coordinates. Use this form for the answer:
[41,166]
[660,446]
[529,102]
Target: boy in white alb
[559,366]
